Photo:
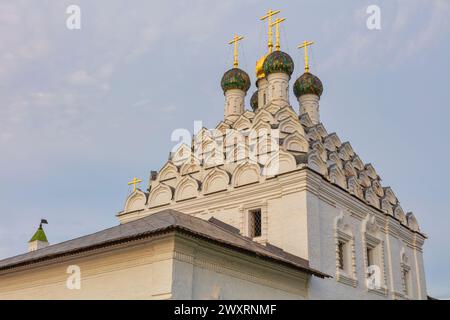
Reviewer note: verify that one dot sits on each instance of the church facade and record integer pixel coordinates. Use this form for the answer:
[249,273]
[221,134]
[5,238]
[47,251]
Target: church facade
[267,205]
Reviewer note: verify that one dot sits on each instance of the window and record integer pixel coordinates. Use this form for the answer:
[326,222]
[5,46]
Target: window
[341,253]
[255,225]
[370,257]
[345,251]
[406,280]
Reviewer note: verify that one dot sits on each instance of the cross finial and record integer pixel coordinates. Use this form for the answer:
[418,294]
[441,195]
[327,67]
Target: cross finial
[134,182]
[268,16]
[305,46]
[235,41]
[277,32]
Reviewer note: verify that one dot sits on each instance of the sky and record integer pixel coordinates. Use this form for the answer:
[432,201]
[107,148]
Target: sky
[85,110]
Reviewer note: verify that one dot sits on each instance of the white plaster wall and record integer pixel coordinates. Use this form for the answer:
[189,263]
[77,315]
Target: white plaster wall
[301,209]
[136,272]
[322,256]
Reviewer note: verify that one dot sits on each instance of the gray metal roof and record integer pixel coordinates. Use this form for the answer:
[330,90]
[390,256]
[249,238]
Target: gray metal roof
[163,221]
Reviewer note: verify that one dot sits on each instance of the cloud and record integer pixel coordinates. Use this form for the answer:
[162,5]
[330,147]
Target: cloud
[81,77]
[406,29]
[437,25]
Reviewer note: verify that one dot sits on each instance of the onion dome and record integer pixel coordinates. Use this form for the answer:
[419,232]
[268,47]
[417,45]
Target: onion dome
[308,83]
[254,101]
[235,79]
[278,61]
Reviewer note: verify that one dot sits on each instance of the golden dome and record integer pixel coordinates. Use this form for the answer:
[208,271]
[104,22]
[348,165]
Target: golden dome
[259,68]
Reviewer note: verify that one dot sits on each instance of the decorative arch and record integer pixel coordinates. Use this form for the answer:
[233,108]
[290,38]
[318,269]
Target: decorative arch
[182,154]
[364,179]
[346,151]
[390,195]
[290,125]
[238,153]
[320,149]
[190,167]
[305,120]
[216,180]
[357,163]
[135,201]
[334,159]
[295,142]
[370,226]
[332,142]
[412,222]
[349,169]
[187,188]
[249,114]
[246,173]
[400,214]
[242,123]
[279,163]
[284,113]
[222,127]
[234,137]
[316,163]
[323,132]
[267,144]
[213,159]
[169,171]
[160,195]
[275,105]
[376,186]
[372,197]
[337,176]
[263,116]
[387,206]
[354,187]
[370,170]
[313,135]
[260,126]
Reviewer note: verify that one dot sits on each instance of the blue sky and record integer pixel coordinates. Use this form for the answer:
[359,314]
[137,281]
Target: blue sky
[83,111]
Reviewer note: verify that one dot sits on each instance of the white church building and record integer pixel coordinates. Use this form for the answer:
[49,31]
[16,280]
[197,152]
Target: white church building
[267,205]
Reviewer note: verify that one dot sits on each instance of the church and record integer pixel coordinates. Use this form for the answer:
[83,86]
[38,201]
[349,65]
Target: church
[266,205]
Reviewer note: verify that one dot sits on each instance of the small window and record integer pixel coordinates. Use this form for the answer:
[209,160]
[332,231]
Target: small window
[341,252]
[264,99]
[406,284]
[255,223]
[370,257]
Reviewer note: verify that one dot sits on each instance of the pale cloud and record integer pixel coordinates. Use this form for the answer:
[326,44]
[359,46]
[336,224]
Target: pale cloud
[81,77]
[410,25]
[438,24]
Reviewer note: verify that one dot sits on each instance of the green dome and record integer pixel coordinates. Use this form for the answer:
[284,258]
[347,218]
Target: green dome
[278,61]
[308,84]
[39,235]
[254,101]
[235,79]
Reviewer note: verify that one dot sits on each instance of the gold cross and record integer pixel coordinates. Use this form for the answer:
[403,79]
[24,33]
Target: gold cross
[134,182]
[305,46]
[277,32]
[235,41]
[268,16]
